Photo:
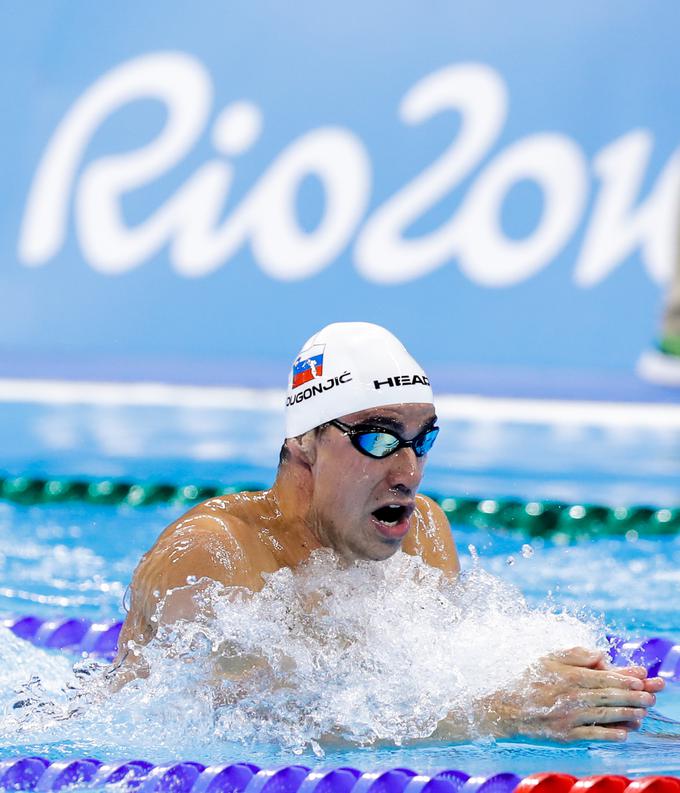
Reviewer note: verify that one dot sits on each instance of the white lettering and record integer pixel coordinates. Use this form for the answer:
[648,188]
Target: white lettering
[478,93]
[191,222]
[177,80]
[186,221]
[267,215]
[616,229]
[339,160]
[558,167]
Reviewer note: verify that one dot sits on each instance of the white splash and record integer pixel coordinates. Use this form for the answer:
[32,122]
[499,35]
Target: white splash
[364,652]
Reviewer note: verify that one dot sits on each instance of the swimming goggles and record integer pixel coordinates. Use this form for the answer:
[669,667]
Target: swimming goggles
[377,442]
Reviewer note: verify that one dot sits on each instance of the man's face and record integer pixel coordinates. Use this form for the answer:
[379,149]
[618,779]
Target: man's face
[361,506]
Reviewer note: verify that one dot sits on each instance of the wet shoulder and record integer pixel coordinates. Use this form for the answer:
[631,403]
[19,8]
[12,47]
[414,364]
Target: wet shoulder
[210,540]
[430,536]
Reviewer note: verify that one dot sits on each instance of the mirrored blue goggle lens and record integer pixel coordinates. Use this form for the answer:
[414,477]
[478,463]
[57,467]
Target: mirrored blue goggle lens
[377,444]
[423,445]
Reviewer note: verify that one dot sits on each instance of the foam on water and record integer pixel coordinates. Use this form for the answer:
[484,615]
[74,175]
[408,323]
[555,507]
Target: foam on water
[364,652]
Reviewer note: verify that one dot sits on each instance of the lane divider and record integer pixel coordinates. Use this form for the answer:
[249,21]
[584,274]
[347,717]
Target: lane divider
[658,655]
[529,517]
[40,775]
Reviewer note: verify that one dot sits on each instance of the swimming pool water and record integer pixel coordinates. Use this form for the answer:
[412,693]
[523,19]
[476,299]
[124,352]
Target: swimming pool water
[76,559]
[485,457]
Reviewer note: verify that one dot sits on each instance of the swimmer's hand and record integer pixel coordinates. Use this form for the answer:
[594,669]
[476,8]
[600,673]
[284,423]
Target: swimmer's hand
[574,695]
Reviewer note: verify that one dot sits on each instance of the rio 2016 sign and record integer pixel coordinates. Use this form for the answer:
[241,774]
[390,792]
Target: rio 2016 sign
[200,239]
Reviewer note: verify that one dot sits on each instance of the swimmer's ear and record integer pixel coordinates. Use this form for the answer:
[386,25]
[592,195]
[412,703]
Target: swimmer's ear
[303,448]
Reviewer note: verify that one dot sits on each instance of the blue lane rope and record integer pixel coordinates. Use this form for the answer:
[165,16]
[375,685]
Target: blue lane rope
[100,639]
[40,775]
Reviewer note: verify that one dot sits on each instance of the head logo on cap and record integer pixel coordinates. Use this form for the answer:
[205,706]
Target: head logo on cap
[308,365]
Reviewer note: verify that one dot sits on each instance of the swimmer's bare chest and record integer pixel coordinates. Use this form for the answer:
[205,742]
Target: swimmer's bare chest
[237,539]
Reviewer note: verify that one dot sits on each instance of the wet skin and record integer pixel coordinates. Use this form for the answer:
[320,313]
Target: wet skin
[326,495]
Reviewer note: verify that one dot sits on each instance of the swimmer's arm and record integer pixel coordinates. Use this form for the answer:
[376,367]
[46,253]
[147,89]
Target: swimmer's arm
[568,696]
[430,537]
[170,580]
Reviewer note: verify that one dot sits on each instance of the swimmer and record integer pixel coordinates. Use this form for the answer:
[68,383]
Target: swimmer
[360,420]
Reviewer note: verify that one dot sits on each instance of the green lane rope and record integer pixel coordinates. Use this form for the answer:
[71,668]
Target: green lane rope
[552,518]
[36,490]
[533,518]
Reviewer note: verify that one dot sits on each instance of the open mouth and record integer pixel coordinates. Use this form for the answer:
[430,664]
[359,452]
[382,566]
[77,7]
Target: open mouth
[393,519]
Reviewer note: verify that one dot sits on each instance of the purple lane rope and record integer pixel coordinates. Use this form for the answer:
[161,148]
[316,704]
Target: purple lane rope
[43,776]
[79,636]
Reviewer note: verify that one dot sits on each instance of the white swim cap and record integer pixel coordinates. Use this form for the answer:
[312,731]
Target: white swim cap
[347,367]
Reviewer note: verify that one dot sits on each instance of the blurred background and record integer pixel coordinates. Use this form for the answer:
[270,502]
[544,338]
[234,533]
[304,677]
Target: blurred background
[191,190]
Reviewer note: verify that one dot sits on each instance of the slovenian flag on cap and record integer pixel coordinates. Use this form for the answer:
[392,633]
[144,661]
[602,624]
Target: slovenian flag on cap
[308,365]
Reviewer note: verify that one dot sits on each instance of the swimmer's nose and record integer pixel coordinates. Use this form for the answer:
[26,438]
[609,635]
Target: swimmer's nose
[405,472]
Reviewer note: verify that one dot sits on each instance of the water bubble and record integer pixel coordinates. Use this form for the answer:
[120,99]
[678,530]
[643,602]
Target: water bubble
[127,598]
[510,561]
[527,551]
[473,552]
[316,748]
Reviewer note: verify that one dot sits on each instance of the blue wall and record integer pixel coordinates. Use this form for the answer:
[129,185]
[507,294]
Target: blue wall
[495,182]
